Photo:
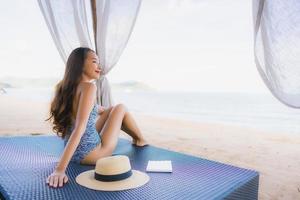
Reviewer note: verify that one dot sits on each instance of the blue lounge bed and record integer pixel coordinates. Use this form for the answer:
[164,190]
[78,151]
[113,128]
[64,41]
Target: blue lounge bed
[26,161]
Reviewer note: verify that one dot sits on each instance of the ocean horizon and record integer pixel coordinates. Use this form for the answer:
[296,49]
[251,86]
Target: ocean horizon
[257,111]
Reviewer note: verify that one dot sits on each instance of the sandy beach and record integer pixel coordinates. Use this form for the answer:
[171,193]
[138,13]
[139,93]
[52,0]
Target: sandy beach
[274,155]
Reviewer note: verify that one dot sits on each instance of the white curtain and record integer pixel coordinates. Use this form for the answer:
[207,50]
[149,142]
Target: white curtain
[277,47]
[115,21]
[70,23]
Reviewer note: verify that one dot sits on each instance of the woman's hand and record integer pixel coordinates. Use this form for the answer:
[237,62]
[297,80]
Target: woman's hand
[57,178]
[100,110]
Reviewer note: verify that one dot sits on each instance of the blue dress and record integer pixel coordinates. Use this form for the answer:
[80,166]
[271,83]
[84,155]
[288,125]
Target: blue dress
[89,140]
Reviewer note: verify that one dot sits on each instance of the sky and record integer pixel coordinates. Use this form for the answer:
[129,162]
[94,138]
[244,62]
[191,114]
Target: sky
[176,45]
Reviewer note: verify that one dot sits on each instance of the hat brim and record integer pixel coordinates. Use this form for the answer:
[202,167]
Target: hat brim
[137,179]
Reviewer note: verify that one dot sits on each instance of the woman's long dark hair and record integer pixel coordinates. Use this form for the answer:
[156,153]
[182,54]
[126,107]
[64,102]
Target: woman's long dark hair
[62,103]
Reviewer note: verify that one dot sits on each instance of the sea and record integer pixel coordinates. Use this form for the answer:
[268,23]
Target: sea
[252,110]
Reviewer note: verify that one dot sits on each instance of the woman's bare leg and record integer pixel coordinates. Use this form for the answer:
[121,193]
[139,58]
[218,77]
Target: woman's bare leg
[130,127]
[102,119]
[110,134]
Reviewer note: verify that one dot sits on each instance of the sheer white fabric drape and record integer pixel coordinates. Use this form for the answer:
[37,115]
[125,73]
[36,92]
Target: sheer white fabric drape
[70,23]
[115,21]
[277,47]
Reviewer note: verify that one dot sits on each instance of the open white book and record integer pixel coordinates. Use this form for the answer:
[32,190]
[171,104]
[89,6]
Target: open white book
[159,166]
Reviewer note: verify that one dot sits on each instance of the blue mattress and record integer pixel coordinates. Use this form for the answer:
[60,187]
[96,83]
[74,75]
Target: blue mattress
[26,161]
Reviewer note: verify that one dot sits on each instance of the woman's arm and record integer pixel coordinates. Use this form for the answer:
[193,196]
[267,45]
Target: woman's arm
[86,103]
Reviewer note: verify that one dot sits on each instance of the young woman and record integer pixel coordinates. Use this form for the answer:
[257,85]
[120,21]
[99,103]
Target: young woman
[74,114]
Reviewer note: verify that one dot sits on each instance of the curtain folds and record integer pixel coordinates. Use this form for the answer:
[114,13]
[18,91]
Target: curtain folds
[70,23]
[115,21]
[277,47]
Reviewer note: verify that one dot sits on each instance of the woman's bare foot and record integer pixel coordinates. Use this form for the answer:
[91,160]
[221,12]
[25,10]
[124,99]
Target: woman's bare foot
[139,142]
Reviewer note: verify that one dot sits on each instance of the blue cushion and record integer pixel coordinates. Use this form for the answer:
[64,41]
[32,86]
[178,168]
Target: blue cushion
[26,161]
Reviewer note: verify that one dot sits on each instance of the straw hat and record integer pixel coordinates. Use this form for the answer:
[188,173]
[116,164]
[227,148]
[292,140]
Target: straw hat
[112,173]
